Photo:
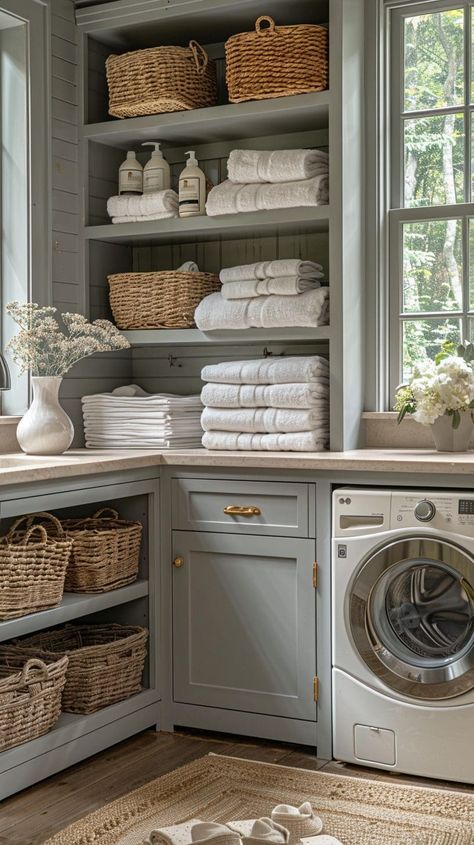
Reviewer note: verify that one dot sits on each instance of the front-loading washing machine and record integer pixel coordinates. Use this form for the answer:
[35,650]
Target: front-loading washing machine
[403,631]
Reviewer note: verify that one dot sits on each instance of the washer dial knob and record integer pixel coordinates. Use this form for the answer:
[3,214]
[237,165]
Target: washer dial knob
[425,510]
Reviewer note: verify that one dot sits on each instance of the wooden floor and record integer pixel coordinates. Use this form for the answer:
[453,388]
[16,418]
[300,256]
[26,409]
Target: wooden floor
[34,815]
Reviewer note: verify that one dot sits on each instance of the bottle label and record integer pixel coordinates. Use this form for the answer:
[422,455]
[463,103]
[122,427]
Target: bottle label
[189,194]
[131,180]
[153,180]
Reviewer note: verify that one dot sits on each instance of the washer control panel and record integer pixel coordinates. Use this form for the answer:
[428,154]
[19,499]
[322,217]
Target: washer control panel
[443,510]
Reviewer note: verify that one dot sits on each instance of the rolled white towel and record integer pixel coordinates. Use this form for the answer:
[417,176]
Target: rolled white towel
[285,370]
[284,286]
[266,420]
[308,395]
[310,308]
[188,266]
[276,165]
[301,441]
[141,204]
[230,197]
[143,218]
[279,267]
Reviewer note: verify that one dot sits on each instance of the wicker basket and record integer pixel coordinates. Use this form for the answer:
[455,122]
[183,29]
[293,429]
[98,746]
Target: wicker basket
[160,79]
[162,300]
[105,552]
[276,61]
[32,568]
[30,694]
[105,662]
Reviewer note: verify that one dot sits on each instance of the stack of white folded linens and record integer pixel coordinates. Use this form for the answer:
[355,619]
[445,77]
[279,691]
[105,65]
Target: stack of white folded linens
[284,292]
[274,404]
[157,205]
[130,418]
[265,179]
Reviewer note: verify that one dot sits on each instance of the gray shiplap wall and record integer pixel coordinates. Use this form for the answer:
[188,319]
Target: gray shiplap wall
[105,371]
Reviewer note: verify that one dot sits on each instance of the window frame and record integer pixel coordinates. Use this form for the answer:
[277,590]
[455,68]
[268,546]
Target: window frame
[396,215]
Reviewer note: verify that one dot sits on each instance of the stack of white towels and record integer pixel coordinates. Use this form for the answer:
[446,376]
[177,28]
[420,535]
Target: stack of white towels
[263,179]
[267,294]
[131,418]
[274,404]
[137,208]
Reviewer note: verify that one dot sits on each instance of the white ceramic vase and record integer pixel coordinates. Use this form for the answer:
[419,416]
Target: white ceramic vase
[449,439]
[45,429]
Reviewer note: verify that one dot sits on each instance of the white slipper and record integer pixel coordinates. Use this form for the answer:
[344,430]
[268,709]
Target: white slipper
[217,834]
[266,830]
[175,834]
[299,821]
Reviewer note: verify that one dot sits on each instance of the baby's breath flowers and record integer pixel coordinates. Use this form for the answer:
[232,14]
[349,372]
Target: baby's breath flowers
[442,386]
[46,348]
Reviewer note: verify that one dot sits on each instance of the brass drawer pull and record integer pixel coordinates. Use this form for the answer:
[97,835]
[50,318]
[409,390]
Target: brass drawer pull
[242,510]
[178,561]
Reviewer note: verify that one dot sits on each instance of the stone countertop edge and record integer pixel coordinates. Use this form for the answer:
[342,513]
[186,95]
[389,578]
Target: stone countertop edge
[17,468]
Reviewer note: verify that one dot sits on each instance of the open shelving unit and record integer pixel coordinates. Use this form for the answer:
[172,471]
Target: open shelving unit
[330,234]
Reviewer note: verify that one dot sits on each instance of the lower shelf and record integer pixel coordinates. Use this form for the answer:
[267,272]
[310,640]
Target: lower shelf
[73,606]
[178,337]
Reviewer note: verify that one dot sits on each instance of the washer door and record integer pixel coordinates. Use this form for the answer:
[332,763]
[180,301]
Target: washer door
[411,613]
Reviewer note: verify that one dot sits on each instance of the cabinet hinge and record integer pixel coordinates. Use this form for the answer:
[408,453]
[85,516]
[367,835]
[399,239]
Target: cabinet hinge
[315,574]
[315,687]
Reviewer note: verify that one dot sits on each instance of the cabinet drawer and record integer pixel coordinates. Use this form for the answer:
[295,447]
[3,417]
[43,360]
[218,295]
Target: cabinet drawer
[244,507]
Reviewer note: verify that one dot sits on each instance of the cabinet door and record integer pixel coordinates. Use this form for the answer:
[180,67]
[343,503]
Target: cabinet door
[244,625]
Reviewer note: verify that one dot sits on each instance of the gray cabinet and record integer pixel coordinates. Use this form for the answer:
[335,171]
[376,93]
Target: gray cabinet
[244,623]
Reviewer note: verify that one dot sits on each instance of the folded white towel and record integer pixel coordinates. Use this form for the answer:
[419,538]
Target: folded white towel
[276,165]
[279,267]
[301,441]
[230,197]
[308,395]
[285,370]
[143,218]
[310,308]
[157,202]
[266,420]
[284,286]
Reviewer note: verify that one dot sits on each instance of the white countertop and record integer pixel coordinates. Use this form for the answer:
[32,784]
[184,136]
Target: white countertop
[19,468]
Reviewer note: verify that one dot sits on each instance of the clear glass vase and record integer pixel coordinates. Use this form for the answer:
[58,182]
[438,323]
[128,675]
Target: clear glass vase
[45,429]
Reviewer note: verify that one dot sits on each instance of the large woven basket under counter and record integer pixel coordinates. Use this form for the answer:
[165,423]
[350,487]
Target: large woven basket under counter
[160,79]
[105,552]
[105,662]
[276,61]
[30,694]
[32,567]
[161,300]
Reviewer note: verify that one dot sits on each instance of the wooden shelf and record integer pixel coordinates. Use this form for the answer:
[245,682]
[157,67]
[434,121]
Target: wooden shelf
[285,221]
[303,112]
[181,337]
[73,606]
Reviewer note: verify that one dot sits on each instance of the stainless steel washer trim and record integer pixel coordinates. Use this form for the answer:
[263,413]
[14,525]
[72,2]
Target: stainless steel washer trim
[457,676]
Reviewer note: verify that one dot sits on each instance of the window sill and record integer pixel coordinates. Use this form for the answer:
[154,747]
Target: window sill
[9,420]
[381,431]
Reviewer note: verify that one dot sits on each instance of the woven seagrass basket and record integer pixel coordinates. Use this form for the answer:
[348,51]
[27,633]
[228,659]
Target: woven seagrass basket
[105,662]
[105,552]
[30,694]
[161,300]
[276,61]
[33,566]
[160,79]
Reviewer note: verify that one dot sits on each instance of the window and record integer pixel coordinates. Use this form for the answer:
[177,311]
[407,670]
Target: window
[430,162]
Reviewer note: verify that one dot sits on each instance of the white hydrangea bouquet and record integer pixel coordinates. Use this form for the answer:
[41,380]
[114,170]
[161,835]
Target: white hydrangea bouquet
[48,350]
[440,393]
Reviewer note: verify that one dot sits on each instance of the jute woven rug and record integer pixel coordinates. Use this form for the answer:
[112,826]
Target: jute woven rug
[214,788]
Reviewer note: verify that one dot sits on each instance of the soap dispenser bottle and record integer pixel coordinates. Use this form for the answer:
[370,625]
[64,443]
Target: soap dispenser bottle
[131,175]
[192,188]
[156,173]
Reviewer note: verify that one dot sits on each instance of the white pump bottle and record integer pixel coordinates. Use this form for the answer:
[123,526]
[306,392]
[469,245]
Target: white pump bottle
[156,174]
[130,175]
[192,188]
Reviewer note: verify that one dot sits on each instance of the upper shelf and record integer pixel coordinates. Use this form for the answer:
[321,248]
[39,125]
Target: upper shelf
[299,113]
[179,337]
[284,221]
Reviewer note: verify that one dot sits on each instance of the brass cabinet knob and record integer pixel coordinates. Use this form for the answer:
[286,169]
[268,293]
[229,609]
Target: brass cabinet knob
[242,510]
[178,561]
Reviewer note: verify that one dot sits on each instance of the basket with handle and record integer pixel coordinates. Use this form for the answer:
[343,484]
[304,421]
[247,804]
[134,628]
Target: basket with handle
[30,694]
[276,61]
[160,79]
[32,567]
[105,552]
[159,300]
[105,662]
